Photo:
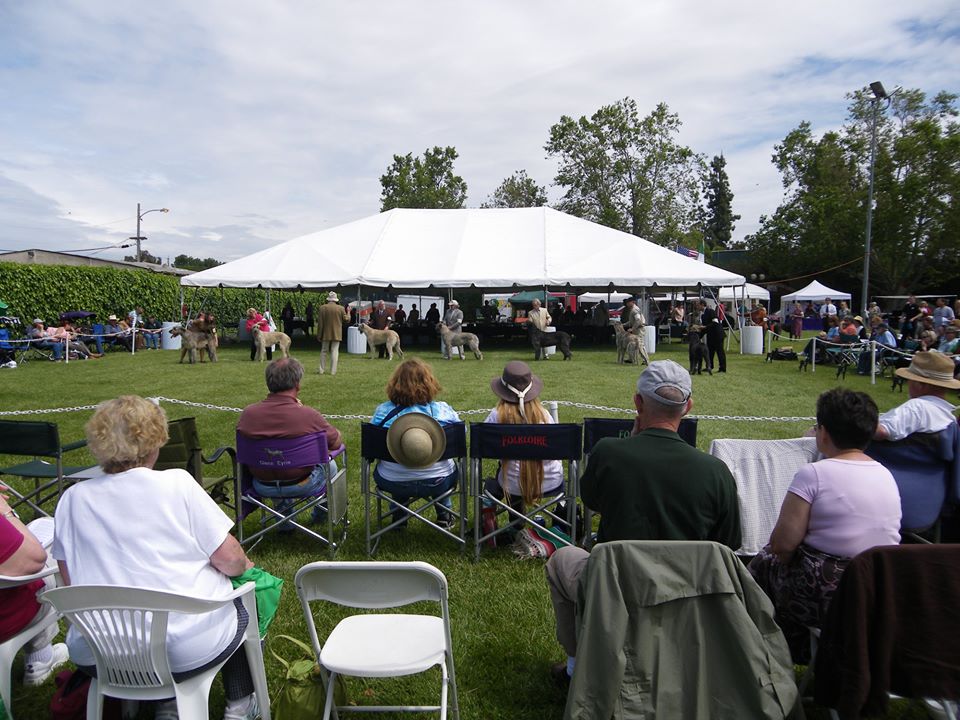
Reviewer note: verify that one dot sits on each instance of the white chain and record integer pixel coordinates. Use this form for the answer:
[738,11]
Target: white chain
[479,411]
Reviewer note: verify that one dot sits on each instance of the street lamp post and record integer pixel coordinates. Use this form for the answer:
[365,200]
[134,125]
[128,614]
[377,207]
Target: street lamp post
[138,237]
[879,94]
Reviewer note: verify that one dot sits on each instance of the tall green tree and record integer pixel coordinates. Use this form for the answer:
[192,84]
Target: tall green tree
[720,219]
[188,262]
[628,172]
[517,191]
[821,221]
[427,182]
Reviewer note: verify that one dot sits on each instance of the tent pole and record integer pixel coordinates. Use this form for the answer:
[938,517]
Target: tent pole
[358,305]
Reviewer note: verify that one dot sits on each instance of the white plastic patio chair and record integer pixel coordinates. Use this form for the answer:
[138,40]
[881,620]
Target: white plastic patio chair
[381,645]
[126,629]
[10,647]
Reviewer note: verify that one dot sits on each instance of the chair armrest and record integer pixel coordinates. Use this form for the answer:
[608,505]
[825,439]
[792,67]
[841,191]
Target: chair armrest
[73,446]
[6,581]
[218,453]
[342,449]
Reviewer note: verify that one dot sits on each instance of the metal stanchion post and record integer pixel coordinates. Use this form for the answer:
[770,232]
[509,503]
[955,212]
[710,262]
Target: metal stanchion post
[66,351]
[813,354]
[133,339]
[552,409]
[873,362]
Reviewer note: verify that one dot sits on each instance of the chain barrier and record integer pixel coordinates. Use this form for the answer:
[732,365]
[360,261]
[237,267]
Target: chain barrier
[479,411]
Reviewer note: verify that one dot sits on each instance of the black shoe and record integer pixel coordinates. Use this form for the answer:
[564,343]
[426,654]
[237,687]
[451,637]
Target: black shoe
[558,673]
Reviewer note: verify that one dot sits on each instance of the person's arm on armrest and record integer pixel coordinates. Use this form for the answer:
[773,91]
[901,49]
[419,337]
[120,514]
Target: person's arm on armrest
[30,556]
[230,559]
[791,527]
[881,433]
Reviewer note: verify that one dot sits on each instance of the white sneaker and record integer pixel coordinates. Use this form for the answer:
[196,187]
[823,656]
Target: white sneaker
[244,709]
[36,673]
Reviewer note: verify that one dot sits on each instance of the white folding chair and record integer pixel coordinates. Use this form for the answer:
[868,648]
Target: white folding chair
[382,644]
[10,647]
[126,629]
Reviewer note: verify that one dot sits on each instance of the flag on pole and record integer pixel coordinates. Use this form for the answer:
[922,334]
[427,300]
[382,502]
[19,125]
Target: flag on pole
[689,252]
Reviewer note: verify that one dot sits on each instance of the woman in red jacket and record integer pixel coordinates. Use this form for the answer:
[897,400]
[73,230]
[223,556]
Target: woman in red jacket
[255,319]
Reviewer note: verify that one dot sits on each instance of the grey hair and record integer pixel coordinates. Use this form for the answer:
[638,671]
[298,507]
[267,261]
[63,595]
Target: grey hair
[284,374]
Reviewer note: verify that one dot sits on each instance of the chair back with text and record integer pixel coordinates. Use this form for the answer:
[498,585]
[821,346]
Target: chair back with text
[373,447]
[304,451]
[926,467]
[504,441]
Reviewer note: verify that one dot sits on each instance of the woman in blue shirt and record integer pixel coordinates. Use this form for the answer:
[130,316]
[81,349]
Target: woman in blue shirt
[412,389]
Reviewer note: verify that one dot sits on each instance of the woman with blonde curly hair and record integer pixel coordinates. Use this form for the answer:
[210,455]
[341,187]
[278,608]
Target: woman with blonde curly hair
[134,526]
[413,388]
[524,481]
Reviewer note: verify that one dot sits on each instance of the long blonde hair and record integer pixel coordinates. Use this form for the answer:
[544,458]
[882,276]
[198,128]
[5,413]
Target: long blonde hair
[531,471]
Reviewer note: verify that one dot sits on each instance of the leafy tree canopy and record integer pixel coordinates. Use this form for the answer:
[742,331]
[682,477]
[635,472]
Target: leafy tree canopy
[186,262]
[517,191]
[427,182]
[720,219]
[144,257]
[821,222]
[629,172]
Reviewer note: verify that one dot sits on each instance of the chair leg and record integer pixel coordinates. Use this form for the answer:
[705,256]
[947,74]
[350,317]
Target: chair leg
[193,696]
[329,708]
[7,653]
[94,701]
[454,702]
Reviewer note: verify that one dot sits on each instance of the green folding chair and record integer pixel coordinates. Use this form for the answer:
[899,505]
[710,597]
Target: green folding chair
[41,441]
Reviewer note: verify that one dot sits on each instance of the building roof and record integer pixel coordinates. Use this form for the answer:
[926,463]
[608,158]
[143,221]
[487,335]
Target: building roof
[49,257]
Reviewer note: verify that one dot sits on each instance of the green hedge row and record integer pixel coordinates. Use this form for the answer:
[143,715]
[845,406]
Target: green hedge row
[45,291]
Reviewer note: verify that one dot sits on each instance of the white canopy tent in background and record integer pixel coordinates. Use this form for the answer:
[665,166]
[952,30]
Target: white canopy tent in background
[814,292]
[483,248]
[748,290]
[595,297]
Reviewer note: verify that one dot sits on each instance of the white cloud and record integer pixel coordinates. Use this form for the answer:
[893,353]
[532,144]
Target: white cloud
[255,123]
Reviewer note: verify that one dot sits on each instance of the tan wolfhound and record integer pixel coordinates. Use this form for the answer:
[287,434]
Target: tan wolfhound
[265,339]
[390,338]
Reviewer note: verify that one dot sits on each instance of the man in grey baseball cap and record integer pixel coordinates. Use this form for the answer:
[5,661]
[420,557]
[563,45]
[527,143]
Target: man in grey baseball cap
[649,486]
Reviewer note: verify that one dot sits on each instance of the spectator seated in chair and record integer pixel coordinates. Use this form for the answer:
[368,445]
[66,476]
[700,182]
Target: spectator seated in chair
[151,333]
[413,389]
[650,486]
[282,415]
[21,554]
[834,509]
[42,341]
[884,339]
[928,377]
[524,482]
[138,527]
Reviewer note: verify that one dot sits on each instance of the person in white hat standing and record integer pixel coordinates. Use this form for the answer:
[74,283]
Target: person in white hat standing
[330,331]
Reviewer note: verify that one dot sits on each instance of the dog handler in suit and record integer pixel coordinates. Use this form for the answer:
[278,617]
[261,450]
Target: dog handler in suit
[650,486]
[453,319]
[330,331]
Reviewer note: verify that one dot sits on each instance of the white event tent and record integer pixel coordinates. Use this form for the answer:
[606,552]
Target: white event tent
[815,292]
[483,248]
[749,290]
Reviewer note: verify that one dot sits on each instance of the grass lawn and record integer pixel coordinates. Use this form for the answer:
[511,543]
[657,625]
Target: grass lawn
[502,618]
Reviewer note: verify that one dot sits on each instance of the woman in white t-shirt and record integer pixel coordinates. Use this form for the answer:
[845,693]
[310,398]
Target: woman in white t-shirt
[834,509]
[137,527]
[523,481]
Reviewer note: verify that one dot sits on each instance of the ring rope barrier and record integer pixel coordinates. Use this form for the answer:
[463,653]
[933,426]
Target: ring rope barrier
[480,411]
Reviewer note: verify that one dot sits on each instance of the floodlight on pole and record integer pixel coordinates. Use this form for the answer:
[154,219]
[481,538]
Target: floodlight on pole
[138,237]
[879,94]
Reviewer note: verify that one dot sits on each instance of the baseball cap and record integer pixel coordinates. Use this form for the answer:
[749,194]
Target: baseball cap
[665,374]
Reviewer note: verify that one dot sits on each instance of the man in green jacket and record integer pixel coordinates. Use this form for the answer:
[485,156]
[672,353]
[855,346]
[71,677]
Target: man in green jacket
[650,486]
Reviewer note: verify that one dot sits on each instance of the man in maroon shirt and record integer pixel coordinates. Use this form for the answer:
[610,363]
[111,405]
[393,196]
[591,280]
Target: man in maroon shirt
[282,415]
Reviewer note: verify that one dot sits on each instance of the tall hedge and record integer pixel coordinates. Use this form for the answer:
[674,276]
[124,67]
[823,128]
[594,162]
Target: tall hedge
[45,291]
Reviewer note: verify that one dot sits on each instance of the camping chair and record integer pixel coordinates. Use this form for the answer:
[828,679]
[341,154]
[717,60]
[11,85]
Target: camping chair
[763,470]
[39,440]
[374,645]
[183,452]
[845,353]
[8,349]
[926,468]
[890,629]
[11,646]
[497,441]
[126,629]
[595,429]
[373,447]
[303,451]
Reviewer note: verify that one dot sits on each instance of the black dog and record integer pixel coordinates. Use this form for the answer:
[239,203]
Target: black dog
[699,357]
[541,340]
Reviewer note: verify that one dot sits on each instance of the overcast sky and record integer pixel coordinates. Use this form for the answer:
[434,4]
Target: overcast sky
[257,122]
